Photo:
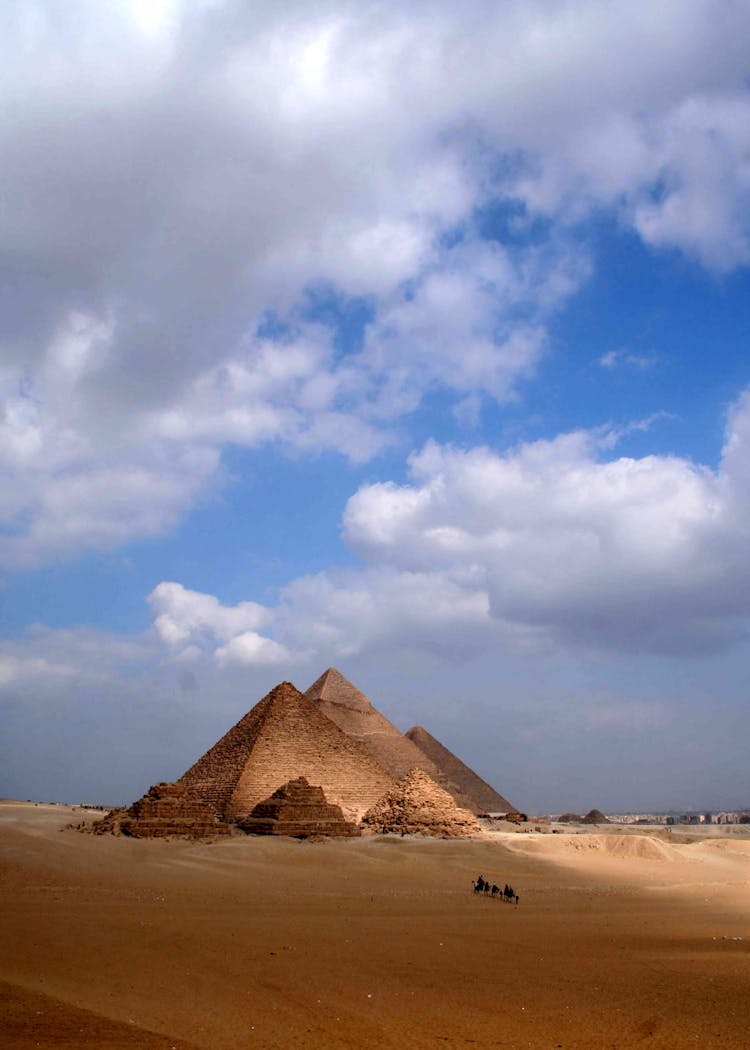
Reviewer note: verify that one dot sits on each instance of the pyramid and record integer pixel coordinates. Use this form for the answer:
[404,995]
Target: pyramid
[298,809]
[353,712]
[165,810]
[417,806]
[283,737]
[484,797]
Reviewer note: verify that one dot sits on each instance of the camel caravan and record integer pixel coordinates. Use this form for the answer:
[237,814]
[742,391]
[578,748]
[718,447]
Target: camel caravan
[321,763]
[492,890]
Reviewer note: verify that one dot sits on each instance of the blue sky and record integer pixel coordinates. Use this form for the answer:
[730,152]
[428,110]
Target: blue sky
[387,339]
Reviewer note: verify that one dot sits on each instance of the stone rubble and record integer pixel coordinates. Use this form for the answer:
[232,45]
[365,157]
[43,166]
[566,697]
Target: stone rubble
[418,806]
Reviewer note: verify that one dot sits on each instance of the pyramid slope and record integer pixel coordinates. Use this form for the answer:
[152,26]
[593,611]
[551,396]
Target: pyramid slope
[353,712]
[333,688]
[483,796]
[418,806]
[283,737]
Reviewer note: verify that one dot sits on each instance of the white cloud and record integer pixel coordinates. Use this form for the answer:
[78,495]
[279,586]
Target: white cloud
[185,618]
[15,669]
[645,553]
[553,541]
[251,648]
[626,359]
[172,176]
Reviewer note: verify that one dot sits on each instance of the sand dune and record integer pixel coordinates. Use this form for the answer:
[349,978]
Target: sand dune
[619,941]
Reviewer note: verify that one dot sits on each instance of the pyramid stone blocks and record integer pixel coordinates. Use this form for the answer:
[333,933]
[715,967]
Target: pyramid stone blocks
[283,737]
[417,806]
[298,809]
[166,809]
[483,797]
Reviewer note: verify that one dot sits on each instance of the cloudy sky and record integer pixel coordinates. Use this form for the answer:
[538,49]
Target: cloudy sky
[411,339]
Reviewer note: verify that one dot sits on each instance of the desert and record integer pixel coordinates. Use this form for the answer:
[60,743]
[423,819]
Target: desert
[620,939]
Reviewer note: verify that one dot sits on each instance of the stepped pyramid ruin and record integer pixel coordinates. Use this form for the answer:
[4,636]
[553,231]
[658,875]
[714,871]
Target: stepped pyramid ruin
[416,805]
[353,712]
[482,794]
[298,809]
[283,737]
[166,809]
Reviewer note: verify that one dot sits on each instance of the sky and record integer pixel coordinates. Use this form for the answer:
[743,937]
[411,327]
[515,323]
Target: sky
[407,339]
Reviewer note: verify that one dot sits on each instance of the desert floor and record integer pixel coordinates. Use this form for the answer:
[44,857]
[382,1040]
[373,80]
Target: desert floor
[619,940]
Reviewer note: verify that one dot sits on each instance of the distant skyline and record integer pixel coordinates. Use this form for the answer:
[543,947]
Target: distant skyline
[408,340]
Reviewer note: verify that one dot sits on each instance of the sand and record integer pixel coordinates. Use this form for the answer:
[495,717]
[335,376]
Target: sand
[619,940]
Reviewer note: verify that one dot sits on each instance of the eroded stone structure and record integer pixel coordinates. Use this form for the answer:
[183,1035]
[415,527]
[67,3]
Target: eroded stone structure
[165,810]
[418,806]
[298,809]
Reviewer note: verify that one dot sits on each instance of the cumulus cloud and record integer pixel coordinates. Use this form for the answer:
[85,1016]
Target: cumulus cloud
[643,553]
[251,648]
[172,179]
[189,621]
[551,542]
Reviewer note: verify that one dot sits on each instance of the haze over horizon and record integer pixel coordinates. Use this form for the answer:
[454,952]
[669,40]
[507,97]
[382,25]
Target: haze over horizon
[408,341]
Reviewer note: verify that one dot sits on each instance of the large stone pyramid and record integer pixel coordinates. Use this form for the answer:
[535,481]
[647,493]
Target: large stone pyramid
[283,737]
[482,794]
[353,712]
[417,806]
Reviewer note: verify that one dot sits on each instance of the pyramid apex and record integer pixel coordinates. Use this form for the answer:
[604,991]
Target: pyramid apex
[284,691]
[334,688]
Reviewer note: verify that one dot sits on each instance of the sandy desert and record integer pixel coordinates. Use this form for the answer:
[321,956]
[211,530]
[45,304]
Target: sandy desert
[620,939]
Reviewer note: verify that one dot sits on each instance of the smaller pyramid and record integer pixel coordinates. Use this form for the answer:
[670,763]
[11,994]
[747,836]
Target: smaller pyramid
[594,816]
[481,796]
[417,806]
[165,810]
[298,809]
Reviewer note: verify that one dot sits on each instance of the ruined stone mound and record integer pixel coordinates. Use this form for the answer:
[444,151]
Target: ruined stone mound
[166,809]
[298,809]
[417,806]
[569,818]
[481,797]
[514,817]
[283,737]
[594,816]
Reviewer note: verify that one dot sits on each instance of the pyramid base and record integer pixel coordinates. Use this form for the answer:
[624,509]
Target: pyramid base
[299,829]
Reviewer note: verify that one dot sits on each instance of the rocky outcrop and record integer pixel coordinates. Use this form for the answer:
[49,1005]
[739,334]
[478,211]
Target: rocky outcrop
[165,810]
[298,809]
[417,806]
